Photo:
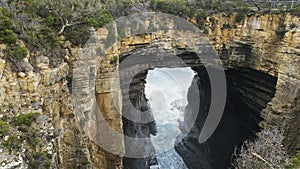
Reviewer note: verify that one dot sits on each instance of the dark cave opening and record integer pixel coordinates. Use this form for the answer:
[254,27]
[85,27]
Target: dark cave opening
[248,92]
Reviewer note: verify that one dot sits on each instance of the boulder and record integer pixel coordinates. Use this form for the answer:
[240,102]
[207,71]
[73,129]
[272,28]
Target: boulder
[42,62]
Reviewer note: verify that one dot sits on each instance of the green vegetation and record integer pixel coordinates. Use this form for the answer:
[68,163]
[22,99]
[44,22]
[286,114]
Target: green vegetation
[114,60]
[3,128]
[293,25]
[39,23]
[105,19]
[34,142]
[73,23]
[201,24]
[281,30]
[212,20]
[239,17]
[25,119]
[295,11]
[32,138]
[201,16]
[226,26]
[12,142]
[10,106]
[294,163]
[241,13]
[38,160]
[4,118]
[5,12]
[7,35]
[205,31]
[215,5]
[176,7]
[17,52]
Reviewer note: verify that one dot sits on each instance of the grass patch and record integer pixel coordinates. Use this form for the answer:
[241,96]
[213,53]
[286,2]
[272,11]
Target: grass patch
[25,119]
[38,160]
[33,138]
[13,142]
[3,128]
[17,53]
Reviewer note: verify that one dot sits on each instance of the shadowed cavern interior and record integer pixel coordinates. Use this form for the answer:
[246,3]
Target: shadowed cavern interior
[248,92]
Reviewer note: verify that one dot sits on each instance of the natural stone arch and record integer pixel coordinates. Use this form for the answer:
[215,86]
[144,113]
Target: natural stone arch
[87,68]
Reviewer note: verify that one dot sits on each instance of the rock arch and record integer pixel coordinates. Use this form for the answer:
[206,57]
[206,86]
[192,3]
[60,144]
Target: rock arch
[125,35]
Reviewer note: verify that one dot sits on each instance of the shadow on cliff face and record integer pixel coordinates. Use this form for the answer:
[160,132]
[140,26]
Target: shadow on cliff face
[248,92]
[134,104]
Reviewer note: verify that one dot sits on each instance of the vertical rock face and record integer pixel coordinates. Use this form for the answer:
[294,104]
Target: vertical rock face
[24,94]
[256,43]
[54,139]
[108,95]
[136,104]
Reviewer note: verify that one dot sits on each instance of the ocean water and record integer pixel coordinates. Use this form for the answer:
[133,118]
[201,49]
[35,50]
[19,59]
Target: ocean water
[166,89]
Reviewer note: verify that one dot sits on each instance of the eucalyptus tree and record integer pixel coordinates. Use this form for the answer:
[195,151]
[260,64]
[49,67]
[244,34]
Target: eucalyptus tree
[71,12]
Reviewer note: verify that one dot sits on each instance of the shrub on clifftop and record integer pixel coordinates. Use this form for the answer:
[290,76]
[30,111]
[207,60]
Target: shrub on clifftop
[266,152]
[17,53]
[25,119]
[241,13]
[3,128]
[7,35]
[294,163]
